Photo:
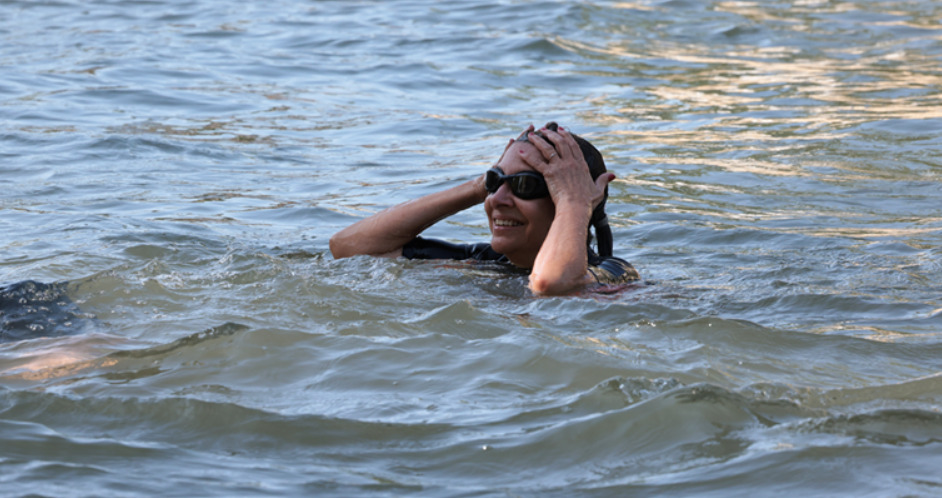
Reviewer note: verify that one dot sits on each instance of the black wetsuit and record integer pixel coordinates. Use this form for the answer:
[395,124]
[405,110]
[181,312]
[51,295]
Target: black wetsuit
[607,271]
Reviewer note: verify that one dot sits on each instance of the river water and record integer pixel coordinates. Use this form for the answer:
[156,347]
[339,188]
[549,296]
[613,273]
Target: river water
[177,168]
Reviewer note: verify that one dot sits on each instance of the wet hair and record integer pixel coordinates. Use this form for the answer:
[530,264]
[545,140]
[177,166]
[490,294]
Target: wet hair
[599,220]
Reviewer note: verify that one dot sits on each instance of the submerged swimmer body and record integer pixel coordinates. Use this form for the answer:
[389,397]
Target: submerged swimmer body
[35,310]
[31,309]
[542,199]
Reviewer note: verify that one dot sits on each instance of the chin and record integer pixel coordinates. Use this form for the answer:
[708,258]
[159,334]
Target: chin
[498,246]
[502,246]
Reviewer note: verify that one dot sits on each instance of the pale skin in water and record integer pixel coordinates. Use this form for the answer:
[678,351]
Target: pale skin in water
[546,235]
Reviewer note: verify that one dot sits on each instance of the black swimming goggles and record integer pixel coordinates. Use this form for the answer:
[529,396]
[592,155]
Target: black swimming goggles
[526,185]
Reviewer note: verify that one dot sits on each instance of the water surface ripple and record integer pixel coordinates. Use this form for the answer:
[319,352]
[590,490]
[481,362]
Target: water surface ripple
[175,169]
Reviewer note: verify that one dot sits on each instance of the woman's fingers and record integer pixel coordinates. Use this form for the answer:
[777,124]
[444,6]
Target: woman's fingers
[546,150]
[566,146]
[536,156]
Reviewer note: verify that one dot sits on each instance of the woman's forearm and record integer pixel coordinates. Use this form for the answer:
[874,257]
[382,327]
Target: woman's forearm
[561,266]
[386,232]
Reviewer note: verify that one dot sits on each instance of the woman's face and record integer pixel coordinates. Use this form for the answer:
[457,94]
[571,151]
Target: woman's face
[518,227]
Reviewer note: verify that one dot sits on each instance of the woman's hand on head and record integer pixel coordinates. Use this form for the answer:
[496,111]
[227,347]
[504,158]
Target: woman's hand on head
[565,170]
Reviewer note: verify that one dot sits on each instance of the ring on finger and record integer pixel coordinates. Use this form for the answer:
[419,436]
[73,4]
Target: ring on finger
[552,156]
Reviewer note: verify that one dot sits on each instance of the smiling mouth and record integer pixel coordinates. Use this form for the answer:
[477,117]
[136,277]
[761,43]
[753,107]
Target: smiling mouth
[507,223]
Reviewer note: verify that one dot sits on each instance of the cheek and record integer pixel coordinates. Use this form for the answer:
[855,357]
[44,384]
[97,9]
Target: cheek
[546,210]
[541,214]
[548,218]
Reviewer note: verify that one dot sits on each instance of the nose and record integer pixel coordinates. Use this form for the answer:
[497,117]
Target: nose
[503,196]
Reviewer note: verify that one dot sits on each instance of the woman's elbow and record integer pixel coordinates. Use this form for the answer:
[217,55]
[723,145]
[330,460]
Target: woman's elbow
[553,287]
[340,248]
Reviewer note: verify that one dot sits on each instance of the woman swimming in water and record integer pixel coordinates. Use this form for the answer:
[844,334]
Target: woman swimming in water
[541,198]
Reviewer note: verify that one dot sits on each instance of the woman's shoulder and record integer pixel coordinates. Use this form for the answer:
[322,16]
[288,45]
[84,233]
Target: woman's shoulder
[613,271]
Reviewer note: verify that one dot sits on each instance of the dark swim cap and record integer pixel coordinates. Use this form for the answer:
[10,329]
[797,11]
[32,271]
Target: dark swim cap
[593,158]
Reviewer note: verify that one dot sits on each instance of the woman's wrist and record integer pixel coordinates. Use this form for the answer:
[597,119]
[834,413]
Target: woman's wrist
[478,189]
[573,203]
[576,211]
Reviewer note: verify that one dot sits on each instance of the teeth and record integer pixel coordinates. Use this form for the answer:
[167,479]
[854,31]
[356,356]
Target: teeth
[507,223]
